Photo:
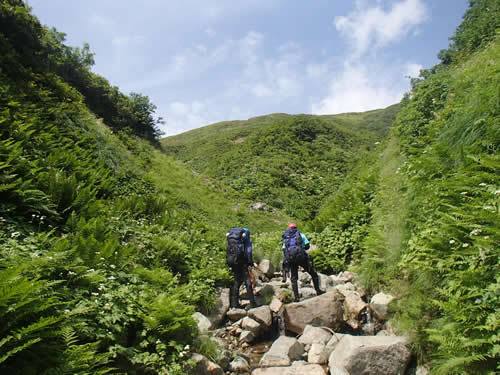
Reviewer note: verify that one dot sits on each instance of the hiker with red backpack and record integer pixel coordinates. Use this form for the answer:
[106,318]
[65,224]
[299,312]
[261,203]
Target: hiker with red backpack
[239,258]
[295,245]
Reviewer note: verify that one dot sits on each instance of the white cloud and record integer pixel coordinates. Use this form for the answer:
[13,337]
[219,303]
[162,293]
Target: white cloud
[316,71]
[355,91]
[181,116]
[413,70]
[373,27]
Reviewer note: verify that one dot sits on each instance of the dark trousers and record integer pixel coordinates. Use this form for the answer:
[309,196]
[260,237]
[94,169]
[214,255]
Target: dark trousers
[308,265]
[241,276]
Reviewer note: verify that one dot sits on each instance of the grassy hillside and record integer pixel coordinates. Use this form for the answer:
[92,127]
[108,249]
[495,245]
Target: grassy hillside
[107,245]
[291,162]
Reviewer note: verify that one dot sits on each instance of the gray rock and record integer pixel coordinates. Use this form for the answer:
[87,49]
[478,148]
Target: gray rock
[266,267]
[203,366]
[239,364]
[282,352]
[318,354]
[236,314]
[248,324]
[247,336]
[325,282]
[353,305]
[380,305]
[204,324]
[313,334]
[297,368]
[275,305]
[332,344]
[374,355]
[321,311]
[307,292]
[218,314]
[262,315]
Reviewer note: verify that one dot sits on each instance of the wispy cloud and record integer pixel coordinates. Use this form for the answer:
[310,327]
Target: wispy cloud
[363,84]
[367,28]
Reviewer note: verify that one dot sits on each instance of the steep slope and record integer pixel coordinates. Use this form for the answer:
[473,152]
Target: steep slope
[291,162]
[424,219]
[107,245]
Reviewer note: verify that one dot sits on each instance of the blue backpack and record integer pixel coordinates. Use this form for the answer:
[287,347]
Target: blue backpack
[293,246]
[235,249]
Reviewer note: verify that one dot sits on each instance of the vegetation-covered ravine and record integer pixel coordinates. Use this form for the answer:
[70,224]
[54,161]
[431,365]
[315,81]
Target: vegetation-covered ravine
[111,237]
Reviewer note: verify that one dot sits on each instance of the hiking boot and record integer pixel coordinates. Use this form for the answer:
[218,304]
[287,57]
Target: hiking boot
[320,292]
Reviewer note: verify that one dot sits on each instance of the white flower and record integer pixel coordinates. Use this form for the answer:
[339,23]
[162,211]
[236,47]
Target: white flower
[475,232]
[91,270]
[181,354]
[463,193]
[497,192]
[101,258]
[453,242]
[111,278]
[15,234]
[112,266]
[71,273]
[483,184]
[95,294]
[66,311]
[466,245]
[186,347]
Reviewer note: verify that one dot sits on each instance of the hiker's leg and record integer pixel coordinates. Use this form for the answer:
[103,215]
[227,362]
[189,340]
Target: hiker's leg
[248,284]
[235,290]
[312,271]
[294,271]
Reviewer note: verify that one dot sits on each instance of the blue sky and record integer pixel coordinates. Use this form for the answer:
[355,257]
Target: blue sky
[205,61]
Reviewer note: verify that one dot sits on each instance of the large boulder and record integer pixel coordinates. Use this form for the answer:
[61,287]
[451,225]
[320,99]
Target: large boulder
[236,314]
[282,352]
[239,365]
[318,353]
[297,368]
[266,267]
[218,314]
[203,366]
[325,310]
[275,305]
[204,324]
[380,305]
[248,324]
[353,306]
[262,315]
[374,355]
[313,334]
[325,282]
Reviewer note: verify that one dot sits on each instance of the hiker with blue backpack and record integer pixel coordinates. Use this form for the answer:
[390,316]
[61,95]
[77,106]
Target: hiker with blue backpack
[239,258]
[295,245]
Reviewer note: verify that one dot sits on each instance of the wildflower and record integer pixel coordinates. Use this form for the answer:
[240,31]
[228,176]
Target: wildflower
[483,184]
[91,270]
[102,258]
[181,354]
[186,347]
[466,245]
[112,266]
[111,278]
[95,294]
[453,242]
[15,234]
[497,192]
[475,232]
[463,193]
[477,301]
[158,341]
[67,311]
[71,273]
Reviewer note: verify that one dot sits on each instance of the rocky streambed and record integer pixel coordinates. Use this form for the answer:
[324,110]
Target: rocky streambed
[341,332]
